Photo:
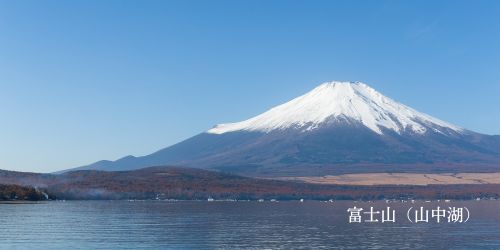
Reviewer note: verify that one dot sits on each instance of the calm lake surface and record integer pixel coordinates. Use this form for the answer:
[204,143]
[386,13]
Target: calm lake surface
[251,225]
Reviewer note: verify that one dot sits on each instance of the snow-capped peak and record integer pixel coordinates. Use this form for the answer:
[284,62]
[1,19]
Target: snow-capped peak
[346,100]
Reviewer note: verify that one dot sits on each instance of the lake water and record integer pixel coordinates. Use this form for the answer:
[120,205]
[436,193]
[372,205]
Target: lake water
[252,225]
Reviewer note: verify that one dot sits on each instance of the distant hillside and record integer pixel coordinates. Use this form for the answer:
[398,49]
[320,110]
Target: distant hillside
[187,184]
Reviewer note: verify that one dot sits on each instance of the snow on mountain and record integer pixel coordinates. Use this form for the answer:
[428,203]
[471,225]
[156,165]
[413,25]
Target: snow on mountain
[338,127]
[340,100]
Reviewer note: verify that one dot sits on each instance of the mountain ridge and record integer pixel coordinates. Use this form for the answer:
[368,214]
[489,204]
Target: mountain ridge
[331,100]
[338,127]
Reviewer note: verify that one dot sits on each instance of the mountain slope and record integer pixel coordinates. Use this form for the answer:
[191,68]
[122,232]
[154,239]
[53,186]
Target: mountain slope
[338,127]
[340,100]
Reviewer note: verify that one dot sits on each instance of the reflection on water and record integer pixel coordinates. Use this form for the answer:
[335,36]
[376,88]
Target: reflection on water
[257,225]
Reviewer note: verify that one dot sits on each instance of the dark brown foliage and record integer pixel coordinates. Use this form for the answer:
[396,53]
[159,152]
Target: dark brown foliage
[16,192]
[188,183]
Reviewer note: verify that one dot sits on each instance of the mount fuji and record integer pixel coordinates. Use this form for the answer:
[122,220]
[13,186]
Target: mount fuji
[338,127]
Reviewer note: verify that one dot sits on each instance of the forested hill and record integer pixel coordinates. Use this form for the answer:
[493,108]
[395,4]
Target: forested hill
[188,184]
[9,192]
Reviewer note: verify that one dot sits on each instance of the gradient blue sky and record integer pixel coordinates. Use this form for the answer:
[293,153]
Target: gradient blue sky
[82,81]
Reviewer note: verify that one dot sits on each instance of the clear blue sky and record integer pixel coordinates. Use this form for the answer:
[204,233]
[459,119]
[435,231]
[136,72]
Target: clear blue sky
[82,81]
